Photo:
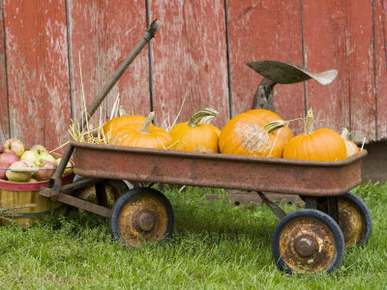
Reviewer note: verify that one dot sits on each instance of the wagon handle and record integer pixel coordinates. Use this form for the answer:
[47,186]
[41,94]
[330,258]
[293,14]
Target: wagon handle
[56,182]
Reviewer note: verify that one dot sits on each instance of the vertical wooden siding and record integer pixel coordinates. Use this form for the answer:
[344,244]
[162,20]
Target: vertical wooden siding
[190,59]
[37,70]
[102,33]
[4,125]
[42,45]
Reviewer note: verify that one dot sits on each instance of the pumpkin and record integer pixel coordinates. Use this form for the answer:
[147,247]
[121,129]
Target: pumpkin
[114,125]
[352,148]
[207,120]
[248,134]
[321,145]
[196,135]
[146,137]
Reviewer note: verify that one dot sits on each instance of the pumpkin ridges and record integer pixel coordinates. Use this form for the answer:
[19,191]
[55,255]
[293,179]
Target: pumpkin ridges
[146,136]
[196,136]
[320,145]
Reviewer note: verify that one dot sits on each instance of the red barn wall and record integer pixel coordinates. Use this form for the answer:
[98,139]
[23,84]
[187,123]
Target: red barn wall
[55,54]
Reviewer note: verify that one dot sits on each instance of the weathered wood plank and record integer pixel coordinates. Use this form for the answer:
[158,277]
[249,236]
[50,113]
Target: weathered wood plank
[190,57]
[4,124]
[102,34]
[265,30]
[381,66]
[37,65]
[342,39]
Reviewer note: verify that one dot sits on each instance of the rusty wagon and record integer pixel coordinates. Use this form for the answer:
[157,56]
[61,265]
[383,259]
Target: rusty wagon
[306,240]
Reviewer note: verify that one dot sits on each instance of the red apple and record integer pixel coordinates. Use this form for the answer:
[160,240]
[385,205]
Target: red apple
[19,175]
[13,145]
[3,170]
[44,156]
[46,170]
[38,149]
[29,155]
[8,158]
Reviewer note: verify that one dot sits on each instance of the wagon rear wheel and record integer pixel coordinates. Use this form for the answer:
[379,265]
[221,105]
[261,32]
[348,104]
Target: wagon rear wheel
[140,215]
[354,218]
[307,241]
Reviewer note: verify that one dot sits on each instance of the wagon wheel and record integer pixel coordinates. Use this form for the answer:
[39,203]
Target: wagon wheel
[354,218]
[307,241]
[140,215]
[104,193]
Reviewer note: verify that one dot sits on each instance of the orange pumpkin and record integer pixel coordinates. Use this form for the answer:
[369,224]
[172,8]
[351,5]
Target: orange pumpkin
[247,134]
[146,137]
[196,136]
[320,145]
[114,125]
[352,148]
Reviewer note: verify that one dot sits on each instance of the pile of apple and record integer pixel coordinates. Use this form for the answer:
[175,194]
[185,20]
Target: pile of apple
[18,164]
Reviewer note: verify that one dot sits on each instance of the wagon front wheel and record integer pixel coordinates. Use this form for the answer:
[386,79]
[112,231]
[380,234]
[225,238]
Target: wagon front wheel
[140,215]
[307,241]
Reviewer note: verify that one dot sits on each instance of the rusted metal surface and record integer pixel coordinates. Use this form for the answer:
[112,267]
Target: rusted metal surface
[349,219]
[76,202]
[307,245]
[238,198]
[143,217]
[272,206]
[218,170]
[283,73]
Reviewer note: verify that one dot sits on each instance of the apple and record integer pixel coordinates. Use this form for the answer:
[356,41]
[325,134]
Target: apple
[68,168]
[45,156]
[8,158]
[13,145]
[20,176]
[3,170]
[46,170]
[29,156]
[38,149]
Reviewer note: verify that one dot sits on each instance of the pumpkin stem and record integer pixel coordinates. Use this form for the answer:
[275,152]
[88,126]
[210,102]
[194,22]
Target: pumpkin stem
[274,125]
[344,133]
[147,122]
[206,120]
[309,123]
[200,114]
[122,112]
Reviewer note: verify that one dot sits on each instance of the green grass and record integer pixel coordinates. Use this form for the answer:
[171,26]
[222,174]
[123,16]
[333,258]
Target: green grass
[214,246]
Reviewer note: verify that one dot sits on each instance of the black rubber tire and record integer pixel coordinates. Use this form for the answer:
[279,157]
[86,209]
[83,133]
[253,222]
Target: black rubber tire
[366,215]
[135,192]
[312,214]
[360,205]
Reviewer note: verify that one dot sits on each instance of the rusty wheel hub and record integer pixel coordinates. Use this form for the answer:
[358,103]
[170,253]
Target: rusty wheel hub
[144,220]
[307,245]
